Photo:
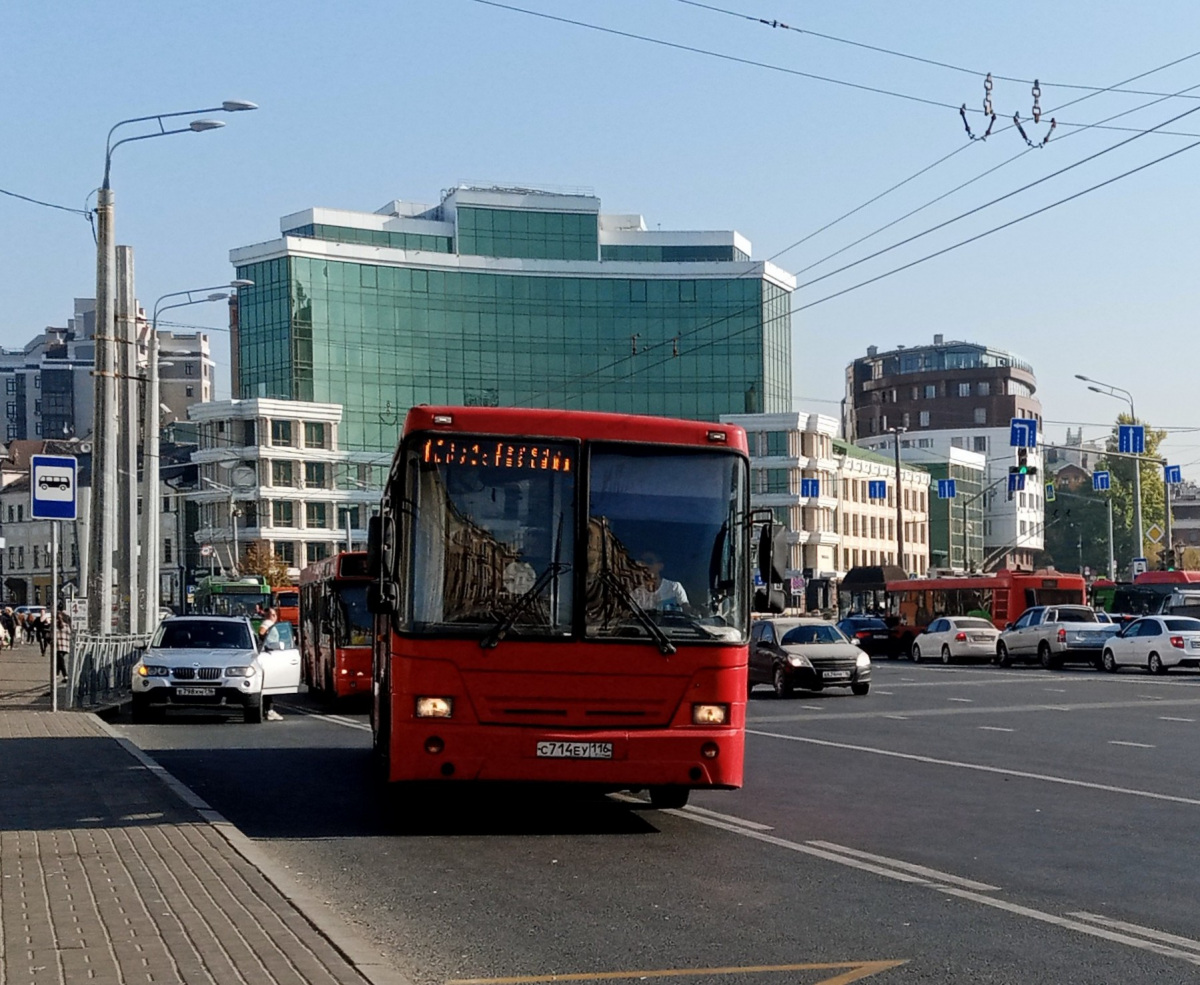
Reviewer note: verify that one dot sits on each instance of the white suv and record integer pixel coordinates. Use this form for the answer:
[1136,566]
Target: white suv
[215,662]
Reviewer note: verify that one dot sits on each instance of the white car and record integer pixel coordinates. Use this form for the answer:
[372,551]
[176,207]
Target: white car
[1156,643]
[215,662]
[956,638]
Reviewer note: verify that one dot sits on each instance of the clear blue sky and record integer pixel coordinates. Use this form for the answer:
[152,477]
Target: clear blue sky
[368,101]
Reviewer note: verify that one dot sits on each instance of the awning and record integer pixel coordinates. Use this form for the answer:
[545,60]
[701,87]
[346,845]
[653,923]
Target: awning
[875,576]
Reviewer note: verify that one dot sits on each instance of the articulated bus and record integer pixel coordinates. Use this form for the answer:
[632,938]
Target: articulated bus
[335,626]
[1001,597]
[564,597]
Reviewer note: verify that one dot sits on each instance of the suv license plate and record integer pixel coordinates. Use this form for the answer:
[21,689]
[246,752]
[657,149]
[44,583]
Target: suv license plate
[196,692]
[575,750]
[836,675]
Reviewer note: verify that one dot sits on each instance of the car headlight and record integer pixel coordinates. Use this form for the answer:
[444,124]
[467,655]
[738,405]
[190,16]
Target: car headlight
[152,670]
[435,707]
[863,661]
[797,661]
[710,714]
[249,670]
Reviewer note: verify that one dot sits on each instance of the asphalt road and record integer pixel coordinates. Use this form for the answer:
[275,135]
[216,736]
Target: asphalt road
[957,824]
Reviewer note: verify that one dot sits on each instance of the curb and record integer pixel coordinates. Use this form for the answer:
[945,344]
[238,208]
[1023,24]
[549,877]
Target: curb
[361,955]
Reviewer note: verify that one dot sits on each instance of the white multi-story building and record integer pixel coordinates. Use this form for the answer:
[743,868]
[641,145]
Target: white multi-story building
[841,526]
[272,471]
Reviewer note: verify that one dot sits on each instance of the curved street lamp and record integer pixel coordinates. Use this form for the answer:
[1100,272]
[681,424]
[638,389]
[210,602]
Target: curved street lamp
[1108,390]
[102,535]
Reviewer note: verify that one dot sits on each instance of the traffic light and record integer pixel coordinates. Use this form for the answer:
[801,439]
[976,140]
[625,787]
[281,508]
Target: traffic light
[1023,467]
[1168,559]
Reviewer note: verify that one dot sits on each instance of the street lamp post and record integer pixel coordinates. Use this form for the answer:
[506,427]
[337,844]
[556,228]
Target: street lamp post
[1108,390]
[102,535]
[149,533]
[896,432]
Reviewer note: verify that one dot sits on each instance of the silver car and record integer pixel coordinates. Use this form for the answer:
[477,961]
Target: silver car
[214,662]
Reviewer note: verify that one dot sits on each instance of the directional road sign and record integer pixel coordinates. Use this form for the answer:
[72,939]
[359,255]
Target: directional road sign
[1173,474]
[810,488]
[1022,432]
[877,489]
[946,489]
[1016,482]
[1101,481]
[1131,439]
[52,487]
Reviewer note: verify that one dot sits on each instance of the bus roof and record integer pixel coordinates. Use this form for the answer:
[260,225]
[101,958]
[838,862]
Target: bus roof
[1166,577]
[346,564]
[584,425]
[1042,579]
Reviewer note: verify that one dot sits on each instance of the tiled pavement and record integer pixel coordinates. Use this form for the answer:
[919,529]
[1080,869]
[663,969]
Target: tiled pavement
[112,873]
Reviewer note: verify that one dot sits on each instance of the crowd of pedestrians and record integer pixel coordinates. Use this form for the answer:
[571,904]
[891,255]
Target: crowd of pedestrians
[38,627]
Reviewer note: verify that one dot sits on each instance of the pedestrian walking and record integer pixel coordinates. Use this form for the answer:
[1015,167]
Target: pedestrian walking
[62,642]
[9,623]
[43,630]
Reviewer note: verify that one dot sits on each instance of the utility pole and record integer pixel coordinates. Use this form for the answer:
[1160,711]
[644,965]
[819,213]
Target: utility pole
[101,539]
[127,413]
[896,432]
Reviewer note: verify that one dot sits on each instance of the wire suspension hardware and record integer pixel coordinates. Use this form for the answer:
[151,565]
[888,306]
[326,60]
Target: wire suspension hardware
[988,111]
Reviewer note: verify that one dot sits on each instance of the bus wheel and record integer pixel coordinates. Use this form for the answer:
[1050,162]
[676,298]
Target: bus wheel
[667,798]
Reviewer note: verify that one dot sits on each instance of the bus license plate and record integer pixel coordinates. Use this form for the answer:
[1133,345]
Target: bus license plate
[836,675]
[196,692]
[575,750]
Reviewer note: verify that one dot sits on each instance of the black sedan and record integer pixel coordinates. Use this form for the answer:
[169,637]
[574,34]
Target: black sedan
[805,653]
[871,633]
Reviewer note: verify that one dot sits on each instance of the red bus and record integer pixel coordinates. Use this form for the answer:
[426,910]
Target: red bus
[1001,597]
[335,628]
[563,597]
[286,600]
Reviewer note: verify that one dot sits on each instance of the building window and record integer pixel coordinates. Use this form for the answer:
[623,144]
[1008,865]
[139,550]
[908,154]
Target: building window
[964,389]
[980,415]
[316,551]
[10,385]
[20,557]
[283,513]
[316,516]
[983,389]
[314,475]
[958,442]
[189,391]
[189,369]
[981,443]
[37,556]
[314,434]
[285,550]
[347,514]
[281,433]
[282,474]
[777,481]
[930,391]
[923,418]
[168,553]
[924,442]
[777,443]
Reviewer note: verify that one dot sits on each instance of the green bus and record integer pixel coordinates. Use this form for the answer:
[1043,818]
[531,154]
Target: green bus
[223,595]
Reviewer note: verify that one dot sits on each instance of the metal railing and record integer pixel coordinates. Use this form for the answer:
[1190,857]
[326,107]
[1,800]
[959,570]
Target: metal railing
[100,668]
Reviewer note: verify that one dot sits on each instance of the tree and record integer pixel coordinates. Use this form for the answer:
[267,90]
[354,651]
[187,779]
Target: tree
[1121,470]
[1076,533]
[261,560]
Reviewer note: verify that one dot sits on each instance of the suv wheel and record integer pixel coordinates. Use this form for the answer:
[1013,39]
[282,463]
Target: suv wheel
[1003,657]
[252,712]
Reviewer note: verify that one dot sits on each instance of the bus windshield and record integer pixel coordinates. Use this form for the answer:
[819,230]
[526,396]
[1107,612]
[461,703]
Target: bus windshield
[665,540]
[493,535]
[355,628]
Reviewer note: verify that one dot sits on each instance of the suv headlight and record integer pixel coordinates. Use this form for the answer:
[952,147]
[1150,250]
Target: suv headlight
[863,661]
[248,670]
[153,670]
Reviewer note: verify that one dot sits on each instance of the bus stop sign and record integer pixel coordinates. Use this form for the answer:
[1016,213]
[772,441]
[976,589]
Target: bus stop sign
[52,487]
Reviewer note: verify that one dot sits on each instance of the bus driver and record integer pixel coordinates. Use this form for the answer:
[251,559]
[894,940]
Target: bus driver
[658,592]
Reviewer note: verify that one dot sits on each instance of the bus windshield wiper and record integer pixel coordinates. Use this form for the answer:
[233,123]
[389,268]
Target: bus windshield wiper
[522,602]
[654,629]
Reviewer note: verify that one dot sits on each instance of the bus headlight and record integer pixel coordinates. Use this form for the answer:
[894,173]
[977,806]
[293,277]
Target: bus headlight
[435,707]
[710,714]
[247,671]
[152,671]
[863,661]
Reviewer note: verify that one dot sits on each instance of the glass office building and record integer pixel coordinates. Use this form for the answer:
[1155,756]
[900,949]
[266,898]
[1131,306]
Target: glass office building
[508,297]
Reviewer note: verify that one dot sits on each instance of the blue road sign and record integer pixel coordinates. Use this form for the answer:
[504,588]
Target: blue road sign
[945,489]
[877,489]
[1173,474]
[1022,432]
[52,487]
[1100,481]
[1016,482]
[1131,439]
[1050,495]
[810,488]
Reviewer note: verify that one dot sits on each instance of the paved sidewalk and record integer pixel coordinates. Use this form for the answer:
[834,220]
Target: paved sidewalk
[112,873]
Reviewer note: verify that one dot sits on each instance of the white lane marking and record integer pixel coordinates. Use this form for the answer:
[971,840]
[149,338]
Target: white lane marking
[899,875]
[1055,690]
[1133,928]
[1151,697]
[895,718]
[889,693]
[969,701]
[1168,718]
[744,822]
[919,870]
[994,728]
[934,761]
[336,719]
[1134,745]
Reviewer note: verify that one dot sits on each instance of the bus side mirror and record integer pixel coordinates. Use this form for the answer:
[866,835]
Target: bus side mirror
[374,545]
[769,600]
[378,602]
[772,554]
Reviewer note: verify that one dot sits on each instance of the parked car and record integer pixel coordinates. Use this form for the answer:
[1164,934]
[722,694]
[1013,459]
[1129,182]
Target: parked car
[811,654]
[869,632]
[214,662]
[956,638]
[1156,643]
[1054,635]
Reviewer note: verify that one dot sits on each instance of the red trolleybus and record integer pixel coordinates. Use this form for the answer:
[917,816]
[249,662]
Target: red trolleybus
[563,597]
[335,626]
[1000,597]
